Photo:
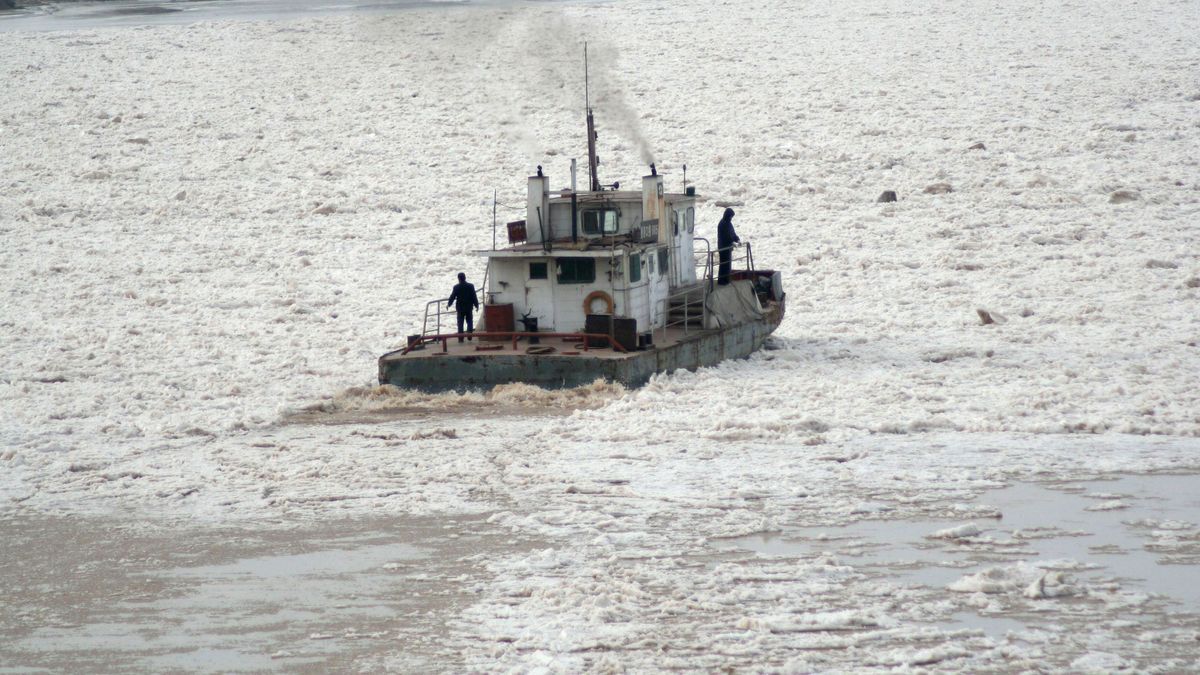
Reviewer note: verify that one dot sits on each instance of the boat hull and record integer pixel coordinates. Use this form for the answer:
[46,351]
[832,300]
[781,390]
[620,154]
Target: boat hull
[453,372]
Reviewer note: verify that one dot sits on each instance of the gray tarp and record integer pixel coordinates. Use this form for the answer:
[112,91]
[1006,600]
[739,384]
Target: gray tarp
[732,304]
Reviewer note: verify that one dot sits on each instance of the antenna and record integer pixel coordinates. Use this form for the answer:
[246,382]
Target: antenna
[593,160]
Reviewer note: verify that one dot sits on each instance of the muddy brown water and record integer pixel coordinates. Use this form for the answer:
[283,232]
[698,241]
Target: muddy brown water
[88,594]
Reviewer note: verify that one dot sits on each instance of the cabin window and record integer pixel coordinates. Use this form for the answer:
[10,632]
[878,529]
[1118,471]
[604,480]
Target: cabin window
[576,270]
[635,267]
[690,219]
[538,270]
[664,260]
[600,221]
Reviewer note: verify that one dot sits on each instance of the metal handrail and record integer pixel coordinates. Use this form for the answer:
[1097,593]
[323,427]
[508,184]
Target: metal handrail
[483,287]
[747,257]
[706,263]
[687,304]
[707,254]
[437,315]
[438,312]
[514,336]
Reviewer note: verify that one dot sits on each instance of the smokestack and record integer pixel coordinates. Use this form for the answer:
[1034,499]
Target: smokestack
[537,210]
[654,208]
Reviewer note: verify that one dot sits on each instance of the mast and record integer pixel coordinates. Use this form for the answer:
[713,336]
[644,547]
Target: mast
[593,160]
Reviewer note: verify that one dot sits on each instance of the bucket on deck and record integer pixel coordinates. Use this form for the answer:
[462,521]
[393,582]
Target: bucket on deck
[498,318]
[531,326]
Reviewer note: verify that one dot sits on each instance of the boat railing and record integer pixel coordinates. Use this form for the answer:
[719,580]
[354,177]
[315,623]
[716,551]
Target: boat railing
[515,336]
[682,300]
[702,263]
[712,261]
[707,266]
[434,311]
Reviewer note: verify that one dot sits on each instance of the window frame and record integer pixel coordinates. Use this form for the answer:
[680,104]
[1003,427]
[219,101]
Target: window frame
[560,270]
[601,229]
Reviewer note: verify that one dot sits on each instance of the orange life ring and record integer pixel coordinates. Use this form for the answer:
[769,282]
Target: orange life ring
[597,295]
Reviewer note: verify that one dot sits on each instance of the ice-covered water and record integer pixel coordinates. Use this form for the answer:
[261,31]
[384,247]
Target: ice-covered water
[1141,531]
[72,15]
[212,230]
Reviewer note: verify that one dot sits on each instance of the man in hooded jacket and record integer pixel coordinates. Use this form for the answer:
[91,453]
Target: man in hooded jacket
[726,238]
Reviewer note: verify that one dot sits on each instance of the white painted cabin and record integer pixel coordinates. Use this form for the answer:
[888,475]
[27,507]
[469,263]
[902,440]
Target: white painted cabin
[635,247]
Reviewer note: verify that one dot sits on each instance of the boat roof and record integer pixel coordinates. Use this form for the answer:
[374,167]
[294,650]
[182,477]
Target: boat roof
[595,247]
[585,197]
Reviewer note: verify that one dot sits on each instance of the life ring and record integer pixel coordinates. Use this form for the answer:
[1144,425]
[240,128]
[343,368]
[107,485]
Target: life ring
[597,295]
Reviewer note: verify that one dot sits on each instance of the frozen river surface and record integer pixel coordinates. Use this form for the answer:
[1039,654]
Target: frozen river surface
[212,229]
[1037,567]
[59,16]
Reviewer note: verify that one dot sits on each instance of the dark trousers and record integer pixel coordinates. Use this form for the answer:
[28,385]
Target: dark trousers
[469,317]
[724,267]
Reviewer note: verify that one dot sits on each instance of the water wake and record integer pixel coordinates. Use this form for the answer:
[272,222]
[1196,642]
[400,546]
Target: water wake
[371,404]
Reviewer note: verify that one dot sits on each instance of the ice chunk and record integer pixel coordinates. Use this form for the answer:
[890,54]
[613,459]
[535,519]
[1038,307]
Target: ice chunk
[959,532]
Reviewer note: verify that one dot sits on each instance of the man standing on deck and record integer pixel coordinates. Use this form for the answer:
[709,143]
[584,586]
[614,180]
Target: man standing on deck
[464,296]
[726,238]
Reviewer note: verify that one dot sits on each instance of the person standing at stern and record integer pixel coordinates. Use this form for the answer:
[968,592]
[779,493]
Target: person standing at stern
[726,238]
[464,297]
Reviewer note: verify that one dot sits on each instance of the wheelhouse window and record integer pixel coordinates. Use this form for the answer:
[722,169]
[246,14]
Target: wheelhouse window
[600,221]
[576,270]
[538,270]
[664,260]
[635,267]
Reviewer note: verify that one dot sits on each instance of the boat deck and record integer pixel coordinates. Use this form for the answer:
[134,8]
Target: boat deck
[442,363]
[481,346]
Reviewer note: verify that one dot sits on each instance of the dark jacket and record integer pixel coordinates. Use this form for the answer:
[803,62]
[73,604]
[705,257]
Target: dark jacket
[726,237]
[464,294]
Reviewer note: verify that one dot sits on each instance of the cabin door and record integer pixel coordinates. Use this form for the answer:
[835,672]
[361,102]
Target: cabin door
[539,295]
[683,262]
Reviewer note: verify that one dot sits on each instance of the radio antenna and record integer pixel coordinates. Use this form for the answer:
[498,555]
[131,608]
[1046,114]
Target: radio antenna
[593,160]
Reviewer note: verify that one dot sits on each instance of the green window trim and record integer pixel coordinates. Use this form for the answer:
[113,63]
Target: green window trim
[575,270]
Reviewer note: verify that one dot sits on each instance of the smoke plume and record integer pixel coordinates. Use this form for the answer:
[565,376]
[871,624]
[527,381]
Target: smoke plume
[555,68]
